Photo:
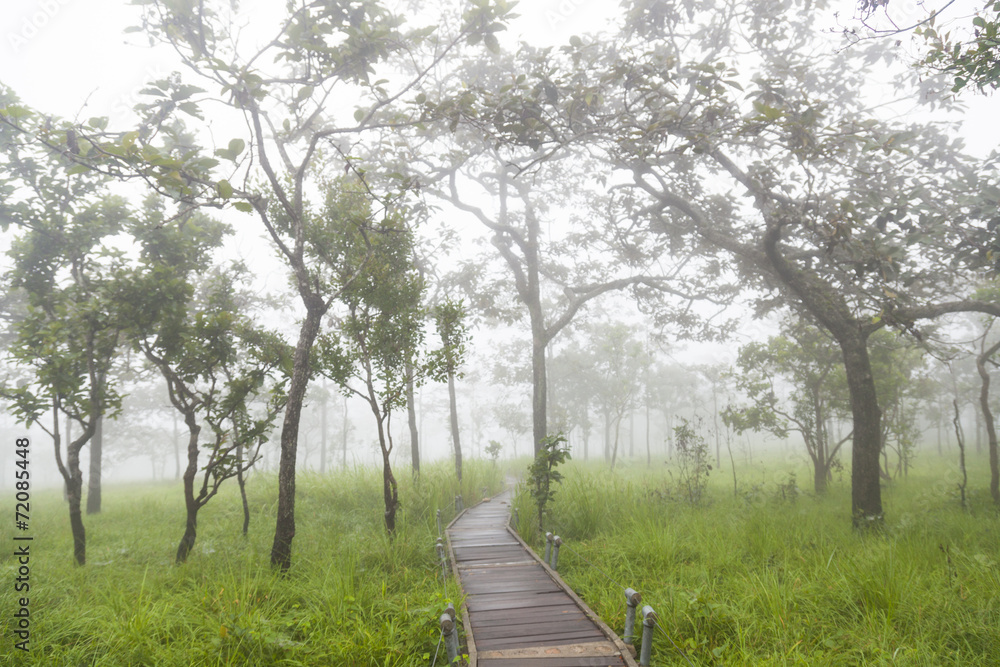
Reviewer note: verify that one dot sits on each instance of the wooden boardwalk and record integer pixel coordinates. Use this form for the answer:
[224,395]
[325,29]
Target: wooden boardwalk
[518,613]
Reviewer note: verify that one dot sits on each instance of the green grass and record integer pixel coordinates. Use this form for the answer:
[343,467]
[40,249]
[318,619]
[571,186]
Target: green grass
[762,579]
[352,597]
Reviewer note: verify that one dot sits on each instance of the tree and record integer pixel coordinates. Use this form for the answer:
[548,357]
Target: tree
[551,289]
[68,342]
[449,319]
[200,339]
[542,473]
[280,91]
[972,57]
[806,358]
[617,359]
[380,331]
[985,356]
[852,219]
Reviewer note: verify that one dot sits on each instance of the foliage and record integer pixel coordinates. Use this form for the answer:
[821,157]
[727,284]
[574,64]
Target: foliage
[542,473]
[374,351]
[353,597]
[776,583]
[493,450]
[975,62]
[693,464]
[199,336]
[66,344]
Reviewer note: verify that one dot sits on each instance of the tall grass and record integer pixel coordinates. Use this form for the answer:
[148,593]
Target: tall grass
[776,576]
[353,596]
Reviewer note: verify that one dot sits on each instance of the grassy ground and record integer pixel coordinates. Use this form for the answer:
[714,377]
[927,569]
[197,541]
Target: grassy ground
[776,576]
[353,597]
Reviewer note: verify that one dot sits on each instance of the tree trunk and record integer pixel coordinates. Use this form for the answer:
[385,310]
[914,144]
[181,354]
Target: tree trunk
[322,433]
[821,473]
[74,490]
[177,450]
[455,439]
[190,503]
[960,438]
[866,494]
[241,480]
[390,493]
[343,448]
[94,480]
[539,424]
[411,420]
[991,432]
[284,530]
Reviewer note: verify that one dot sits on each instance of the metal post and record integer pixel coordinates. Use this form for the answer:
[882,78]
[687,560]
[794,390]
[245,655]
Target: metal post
[450,637]
[556,541]
[648,621]
[632,600]
[439,522]
[548,546]
[441,557]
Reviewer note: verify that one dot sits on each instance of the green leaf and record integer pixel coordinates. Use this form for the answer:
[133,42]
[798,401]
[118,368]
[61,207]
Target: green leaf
[360,114]
[304,93]
[243,206]
[224,189]
[492,43]
[236,146]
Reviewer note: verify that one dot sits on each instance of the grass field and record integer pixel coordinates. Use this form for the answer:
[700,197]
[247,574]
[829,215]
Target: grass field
[776,576]
[353,597]
[771,576]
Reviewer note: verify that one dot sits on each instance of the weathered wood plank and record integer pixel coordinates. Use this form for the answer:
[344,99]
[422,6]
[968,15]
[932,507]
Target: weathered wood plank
[552,662]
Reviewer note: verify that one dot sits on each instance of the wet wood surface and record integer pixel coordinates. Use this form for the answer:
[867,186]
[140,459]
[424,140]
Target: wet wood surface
[518,614]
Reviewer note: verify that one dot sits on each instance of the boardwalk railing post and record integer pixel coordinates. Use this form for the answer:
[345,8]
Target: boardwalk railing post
[548,546]
[517,520]
[442,559]
[648,621]
[556,541]
[632,600]
[439,522]
[450,633]
[459,503]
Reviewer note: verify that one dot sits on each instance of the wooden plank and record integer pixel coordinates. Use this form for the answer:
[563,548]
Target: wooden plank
[552,639]
[552,662]
[602,649]
[543,628]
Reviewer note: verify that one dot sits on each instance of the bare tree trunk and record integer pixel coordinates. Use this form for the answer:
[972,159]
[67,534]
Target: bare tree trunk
[322,432]
[649,452]
[177,450]
[539,389]
[284,529]
[94,480]
[241,479]
[991,433]
[866,494]
[343,443]
[411,420]
[455,438]
[961,452]
[190,502]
